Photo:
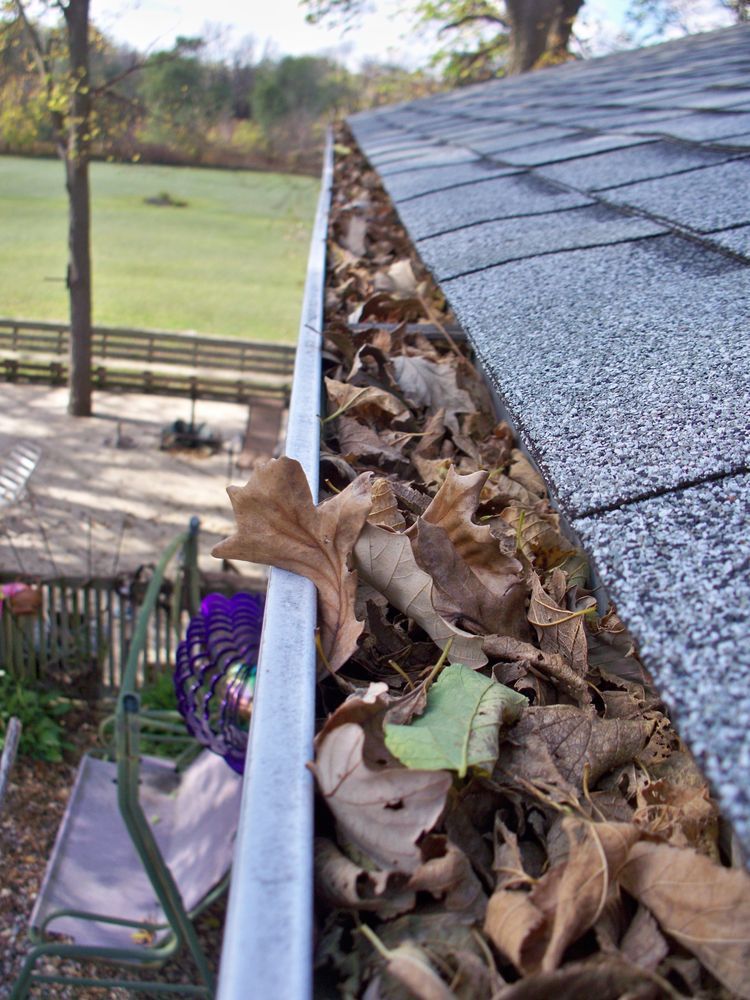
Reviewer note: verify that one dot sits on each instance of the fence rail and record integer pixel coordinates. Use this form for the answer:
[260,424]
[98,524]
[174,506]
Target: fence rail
[82,629]
[147,361]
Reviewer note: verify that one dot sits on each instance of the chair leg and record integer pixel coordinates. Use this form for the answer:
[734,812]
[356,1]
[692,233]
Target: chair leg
[21,986]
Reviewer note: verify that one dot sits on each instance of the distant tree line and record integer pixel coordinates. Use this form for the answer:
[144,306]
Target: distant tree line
[186,105]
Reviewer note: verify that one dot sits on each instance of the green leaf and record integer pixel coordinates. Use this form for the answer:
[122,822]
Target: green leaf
[459,727]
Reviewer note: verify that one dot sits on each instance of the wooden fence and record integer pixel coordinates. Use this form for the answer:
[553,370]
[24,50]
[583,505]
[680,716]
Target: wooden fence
[152,361]
[81,631]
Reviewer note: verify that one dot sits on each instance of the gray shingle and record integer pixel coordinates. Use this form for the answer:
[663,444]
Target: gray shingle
[494,143]
[411,183]
[678,560]
[737,239]
[712,198]
[627,366]
[481,246]
[574,147]
[699,127]
[500,198]
[637,163]
[424,156]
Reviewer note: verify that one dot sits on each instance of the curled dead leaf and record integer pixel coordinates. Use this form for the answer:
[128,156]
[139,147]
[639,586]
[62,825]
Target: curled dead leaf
[560,631]
[386,562]
[384,512]
[698,903]
[382,810]
[570,740]
[278,524]
[342,884]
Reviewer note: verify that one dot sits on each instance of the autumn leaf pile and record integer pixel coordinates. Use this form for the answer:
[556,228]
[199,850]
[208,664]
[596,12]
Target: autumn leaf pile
[504,808]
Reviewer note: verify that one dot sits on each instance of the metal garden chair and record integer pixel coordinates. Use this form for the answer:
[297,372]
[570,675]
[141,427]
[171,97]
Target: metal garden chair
[143,846]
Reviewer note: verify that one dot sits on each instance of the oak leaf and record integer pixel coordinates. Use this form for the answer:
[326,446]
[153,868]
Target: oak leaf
[278,524]
[386,562]
[699,904]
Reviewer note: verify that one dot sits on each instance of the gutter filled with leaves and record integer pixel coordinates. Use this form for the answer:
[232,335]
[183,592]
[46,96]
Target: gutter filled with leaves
[504,808]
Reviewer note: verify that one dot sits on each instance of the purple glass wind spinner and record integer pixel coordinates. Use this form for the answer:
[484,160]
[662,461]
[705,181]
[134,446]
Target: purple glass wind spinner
[215,673]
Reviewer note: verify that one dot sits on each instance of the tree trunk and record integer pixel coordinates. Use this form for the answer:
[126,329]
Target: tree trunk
[76,156]
[540,32]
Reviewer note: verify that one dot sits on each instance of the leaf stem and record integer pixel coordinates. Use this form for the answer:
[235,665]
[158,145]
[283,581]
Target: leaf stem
[439,665]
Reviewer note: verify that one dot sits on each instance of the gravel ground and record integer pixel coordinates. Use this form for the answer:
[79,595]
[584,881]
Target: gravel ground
[31,814]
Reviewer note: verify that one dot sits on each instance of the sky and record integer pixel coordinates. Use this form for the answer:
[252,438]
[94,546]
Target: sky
[278,27]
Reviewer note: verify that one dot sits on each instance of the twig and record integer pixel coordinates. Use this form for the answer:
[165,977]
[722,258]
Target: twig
[12,739]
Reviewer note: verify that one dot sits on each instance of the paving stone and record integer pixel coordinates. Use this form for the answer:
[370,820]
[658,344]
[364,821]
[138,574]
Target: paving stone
[605,355]
[499,198]
[710,199]
[415,183]
[678,569]
[481,246]
[636,163]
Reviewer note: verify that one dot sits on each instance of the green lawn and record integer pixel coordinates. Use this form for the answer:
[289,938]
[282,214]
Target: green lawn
[232,262]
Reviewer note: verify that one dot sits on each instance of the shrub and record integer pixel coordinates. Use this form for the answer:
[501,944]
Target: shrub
[38,710]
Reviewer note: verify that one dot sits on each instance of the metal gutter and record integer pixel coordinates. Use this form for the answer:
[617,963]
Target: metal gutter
[268,934]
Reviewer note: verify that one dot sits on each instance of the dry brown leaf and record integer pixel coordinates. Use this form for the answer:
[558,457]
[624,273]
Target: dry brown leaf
[643,943]
[278,524]
[386,562]
[341,884]
[354,235]
[534,929]
[384,512]
[539,535]
[550,665]
[492,604]
[559,630]
[410,966]
[701,905]
[432,386]
[574,898]
[432,471]
[524,473]
[381,810]
[573,739]
[446,873]
[677,806]
[359,441]
[516,927]
[428,444]
[453,509]
[371,403]
[602,978]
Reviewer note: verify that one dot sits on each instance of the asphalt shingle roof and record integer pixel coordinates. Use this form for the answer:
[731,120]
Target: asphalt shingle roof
[590,225]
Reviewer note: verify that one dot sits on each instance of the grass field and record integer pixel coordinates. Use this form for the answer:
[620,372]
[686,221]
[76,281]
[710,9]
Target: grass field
[232,262]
